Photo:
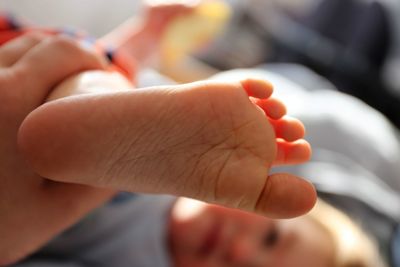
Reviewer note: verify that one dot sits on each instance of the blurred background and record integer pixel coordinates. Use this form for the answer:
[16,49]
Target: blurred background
[95,16]
[352,43]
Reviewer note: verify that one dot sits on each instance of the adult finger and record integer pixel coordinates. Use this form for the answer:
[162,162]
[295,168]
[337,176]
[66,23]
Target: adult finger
[47,64]
[13,50]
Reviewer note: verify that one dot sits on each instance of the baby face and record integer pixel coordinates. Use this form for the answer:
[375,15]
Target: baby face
[203,235]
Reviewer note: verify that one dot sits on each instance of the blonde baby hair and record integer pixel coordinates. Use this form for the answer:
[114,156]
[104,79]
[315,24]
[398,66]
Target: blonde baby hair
[353,247]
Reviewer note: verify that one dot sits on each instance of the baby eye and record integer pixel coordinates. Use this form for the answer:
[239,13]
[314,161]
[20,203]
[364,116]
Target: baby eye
[271,238]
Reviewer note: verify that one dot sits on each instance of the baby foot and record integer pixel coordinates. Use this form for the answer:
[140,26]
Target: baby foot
[211,141]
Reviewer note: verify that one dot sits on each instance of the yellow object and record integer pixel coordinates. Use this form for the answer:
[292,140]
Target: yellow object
[190,32]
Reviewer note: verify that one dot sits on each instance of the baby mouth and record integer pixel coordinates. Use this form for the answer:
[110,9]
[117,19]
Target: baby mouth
[211,240]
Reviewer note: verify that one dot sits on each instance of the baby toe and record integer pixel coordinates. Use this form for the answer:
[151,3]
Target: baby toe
[257,88]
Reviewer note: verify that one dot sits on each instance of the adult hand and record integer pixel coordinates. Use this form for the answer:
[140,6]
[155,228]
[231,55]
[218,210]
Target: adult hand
[32,209]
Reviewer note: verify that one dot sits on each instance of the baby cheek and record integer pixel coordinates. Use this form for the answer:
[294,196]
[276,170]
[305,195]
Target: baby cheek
[189,232]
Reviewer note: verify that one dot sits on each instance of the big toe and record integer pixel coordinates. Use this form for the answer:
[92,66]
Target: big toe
[286,196]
